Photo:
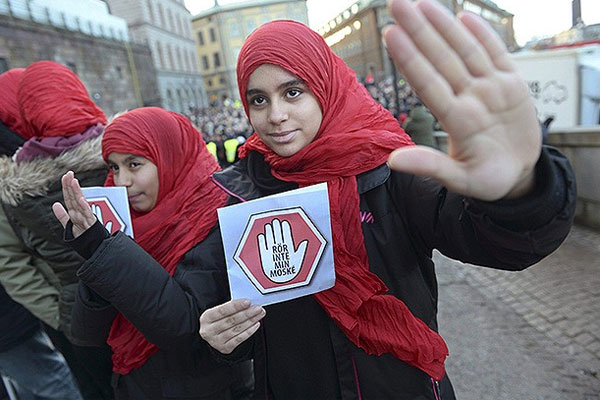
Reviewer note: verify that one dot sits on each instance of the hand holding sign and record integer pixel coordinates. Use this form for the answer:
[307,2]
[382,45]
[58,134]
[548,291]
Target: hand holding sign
[281,261]
[79,211]
[98,212]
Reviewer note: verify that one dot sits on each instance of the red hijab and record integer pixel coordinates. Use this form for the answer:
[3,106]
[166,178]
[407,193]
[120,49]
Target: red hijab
[54,102]
[356,135]
[9,107]
[185,210]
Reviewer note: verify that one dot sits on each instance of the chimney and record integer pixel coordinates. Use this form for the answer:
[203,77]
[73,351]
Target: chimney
[576,5]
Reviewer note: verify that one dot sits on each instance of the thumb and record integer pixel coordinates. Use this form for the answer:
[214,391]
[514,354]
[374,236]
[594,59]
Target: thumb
[302,248]
[60,213]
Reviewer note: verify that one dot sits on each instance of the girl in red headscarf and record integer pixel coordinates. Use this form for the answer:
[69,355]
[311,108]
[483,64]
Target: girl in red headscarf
[144,297]
[373,335]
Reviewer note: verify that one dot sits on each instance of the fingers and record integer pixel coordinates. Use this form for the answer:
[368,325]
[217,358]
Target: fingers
[431,87]
[490,41]
[228,325]
[460,39]
[277,234]
[430,43]
[60,213]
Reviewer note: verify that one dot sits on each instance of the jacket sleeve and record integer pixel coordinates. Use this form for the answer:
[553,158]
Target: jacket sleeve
[27,279]
[506,234]
[164,309]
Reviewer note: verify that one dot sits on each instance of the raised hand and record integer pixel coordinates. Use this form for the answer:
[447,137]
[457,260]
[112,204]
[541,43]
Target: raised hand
[280,260]
[228,325]
[79,211]
[463,73]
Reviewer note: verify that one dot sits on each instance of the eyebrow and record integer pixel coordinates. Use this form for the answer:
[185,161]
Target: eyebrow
[126,160]
[293,82]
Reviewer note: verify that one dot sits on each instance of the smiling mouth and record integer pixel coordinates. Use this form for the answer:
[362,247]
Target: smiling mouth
[283,137]
[134,197]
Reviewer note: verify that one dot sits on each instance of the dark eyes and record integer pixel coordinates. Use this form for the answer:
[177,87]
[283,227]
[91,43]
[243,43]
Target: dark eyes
[258,101]
[132,165]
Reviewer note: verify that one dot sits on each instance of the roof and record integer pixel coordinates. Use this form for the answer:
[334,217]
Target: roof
[239,6]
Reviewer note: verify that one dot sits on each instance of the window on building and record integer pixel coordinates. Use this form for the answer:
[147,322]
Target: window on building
[200,38]
[222,80]
[171,21]
[250,25]
[151,10]
[161,59]
[171,59]
[205,63]
[72,66]
[234,29]
[210,82]
[179,59]
[161,13]
[3,65]
[217,60]
[119,72]
[213,36]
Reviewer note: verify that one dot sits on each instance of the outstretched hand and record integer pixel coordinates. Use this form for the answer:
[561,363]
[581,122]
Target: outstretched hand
[79,211]
[463,73]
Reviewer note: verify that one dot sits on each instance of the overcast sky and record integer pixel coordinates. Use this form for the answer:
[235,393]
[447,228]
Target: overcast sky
[532,17]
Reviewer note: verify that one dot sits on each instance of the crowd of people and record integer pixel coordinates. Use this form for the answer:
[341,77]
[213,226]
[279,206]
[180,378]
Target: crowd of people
[88,313]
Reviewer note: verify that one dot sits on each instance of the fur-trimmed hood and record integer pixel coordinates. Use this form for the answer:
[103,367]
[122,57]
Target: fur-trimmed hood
[34,178]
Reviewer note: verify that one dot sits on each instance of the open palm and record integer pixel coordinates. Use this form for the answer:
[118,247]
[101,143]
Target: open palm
[463,73]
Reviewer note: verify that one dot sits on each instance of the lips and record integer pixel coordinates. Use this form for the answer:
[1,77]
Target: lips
[134,197]
[283,137]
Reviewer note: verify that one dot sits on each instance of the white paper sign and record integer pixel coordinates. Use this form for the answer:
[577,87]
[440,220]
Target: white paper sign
[111,207]
[279,247]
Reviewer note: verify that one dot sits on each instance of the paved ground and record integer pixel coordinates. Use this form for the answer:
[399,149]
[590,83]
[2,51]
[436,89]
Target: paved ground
[530,335]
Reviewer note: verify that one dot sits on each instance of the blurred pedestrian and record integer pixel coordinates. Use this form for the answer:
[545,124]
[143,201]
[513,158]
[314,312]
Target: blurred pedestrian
[420,126]
[64,128]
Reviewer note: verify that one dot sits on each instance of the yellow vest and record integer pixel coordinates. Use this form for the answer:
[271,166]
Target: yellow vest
[212,148]
[230,149]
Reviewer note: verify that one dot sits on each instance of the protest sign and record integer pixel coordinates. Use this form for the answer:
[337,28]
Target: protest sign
[111,207]
[278,247]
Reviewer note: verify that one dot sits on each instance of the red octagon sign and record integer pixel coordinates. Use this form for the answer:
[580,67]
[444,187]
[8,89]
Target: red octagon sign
[106,214]
[280,249]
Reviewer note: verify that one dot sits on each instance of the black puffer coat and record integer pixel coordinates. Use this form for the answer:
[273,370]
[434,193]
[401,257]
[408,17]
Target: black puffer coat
[301,354]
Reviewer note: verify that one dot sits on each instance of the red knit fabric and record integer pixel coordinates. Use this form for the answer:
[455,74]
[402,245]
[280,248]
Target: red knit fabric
[185,211]
[9,107]
[356,135]
[54,102]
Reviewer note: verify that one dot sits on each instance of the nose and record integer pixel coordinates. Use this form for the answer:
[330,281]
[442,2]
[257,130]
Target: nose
[278,112]
[122,178]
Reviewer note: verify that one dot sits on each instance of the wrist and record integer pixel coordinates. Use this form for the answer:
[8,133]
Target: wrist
[524,187]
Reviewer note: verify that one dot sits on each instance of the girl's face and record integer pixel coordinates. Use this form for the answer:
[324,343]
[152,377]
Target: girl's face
[139,176]
[283,111]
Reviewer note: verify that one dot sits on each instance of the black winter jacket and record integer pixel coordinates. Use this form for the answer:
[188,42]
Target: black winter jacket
[120,275]
[301,354]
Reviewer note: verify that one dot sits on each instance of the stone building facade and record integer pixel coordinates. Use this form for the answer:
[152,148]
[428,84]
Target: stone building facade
[165,27]
[220,32]
[118,76]
[355,33]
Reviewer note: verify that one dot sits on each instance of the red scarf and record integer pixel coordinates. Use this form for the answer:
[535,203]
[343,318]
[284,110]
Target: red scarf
[9,107]
[356,135]
[185,210]
[54,102]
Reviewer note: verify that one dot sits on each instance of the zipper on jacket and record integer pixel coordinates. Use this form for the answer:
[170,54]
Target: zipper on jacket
[435,385]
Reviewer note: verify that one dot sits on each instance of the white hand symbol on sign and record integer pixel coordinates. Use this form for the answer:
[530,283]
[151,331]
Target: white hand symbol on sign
[98,211]
[281,261]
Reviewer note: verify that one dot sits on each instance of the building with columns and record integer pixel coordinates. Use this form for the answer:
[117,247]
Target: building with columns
[165,27]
